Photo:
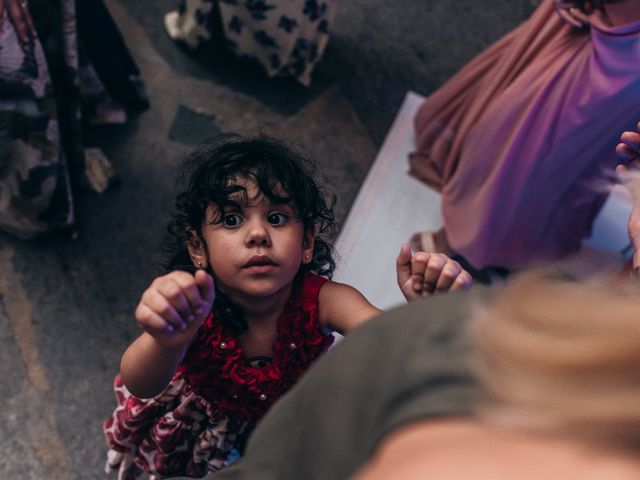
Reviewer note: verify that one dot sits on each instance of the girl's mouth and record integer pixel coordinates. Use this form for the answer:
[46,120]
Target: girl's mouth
[259,261]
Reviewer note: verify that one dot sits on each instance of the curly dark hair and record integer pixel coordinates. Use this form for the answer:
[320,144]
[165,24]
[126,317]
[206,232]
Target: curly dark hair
[207,178]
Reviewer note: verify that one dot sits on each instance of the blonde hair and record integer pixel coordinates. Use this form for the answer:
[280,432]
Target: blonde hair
[562,357]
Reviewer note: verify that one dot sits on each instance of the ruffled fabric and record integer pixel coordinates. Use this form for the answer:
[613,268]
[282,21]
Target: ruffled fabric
[201,421]
[171,434]
[217,369]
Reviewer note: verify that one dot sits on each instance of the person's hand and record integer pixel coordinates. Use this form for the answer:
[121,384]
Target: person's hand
[422,274]
[577,12]
[175,305]
[18,11]
[629,147]
[629,150]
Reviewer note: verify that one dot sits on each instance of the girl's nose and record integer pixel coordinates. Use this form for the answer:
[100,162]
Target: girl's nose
[258,234]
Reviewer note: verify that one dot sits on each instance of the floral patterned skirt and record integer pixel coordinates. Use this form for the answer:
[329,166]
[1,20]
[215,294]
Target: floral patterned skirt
[287,38]
[171,434]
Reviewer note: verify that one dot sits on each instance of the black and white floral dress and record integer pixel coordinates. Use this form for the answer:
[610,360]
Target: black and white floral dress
[287,37]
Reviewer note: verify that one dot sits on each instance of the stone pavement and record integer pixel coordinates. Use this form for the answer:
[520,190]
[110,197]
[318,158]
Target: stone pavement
[66,305]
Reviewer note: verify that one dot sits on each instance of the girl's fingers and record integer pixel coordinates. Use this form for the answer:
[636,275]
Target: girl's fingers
[176,297]
[403,269]
[150,320]
[190,291]
[448,275]
[160,305]
[418,264]
[206,287]
[462,281]
[433,272]
[403,264]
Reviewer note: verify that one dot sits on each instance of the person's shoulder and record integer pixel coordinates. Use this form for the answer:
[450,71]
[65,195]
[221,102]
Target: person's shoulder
[333,286]
[433,316]
[338,292]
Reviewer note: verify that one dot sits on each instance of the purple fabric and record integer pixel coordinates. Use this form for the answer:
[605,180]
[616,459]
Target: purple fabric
[522,140]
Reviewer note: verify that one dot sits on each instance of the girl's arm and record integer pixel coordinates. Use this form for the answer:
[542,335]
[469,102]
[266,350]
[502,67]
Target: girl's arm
[147,366]
[420,275]
[343,308]
[170,311]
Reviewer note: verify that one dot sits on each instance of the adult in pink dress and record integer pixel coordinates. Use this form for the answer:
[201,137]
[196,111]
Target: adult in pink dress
[521,141]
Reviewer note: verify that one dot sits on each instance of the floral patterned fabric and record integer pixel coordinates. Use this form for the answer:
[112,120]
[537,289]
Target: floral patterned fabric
[200,422]
[287,37]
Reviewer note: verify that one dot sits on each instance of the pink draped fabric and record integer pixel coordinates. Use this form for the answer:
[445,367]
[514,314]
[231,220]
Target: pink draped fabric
[520,141]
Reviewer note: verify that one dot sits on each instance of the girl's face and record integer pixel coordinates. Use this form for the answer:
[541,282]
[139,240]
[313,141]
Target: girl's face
[257,249]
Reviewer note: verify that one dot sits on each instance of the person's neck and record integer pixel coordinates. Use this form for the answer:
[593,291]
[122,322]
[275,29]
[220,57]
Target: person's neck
[262,312]
[262,315]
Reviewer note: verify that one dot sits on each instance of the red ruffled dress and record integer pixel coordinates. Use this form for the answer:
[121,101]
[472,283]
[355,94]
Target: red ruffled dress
[200,422]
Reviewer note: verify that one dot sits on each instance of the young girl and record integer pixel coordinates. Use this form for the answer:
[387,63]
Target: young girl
[222,344]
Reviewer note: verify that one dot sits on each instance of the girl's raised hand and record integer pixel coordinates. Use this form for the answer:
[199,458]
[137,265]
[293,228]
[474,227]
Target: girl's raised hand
[422,274]
[175,305]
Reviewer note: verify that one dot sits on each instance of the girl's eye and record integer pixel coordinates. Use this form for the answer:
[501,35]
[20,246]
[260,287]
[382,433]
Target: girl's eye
[231,220]
[277,218]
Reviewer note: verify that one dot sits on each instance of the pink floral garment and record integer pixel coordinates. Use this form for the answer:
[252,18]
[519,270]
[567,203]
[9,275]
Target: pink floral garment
[201,421]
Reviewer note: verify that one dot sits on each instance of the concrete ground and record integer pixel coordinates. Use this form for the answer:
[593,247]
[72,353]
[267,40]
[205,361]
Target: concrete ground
[66,305]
